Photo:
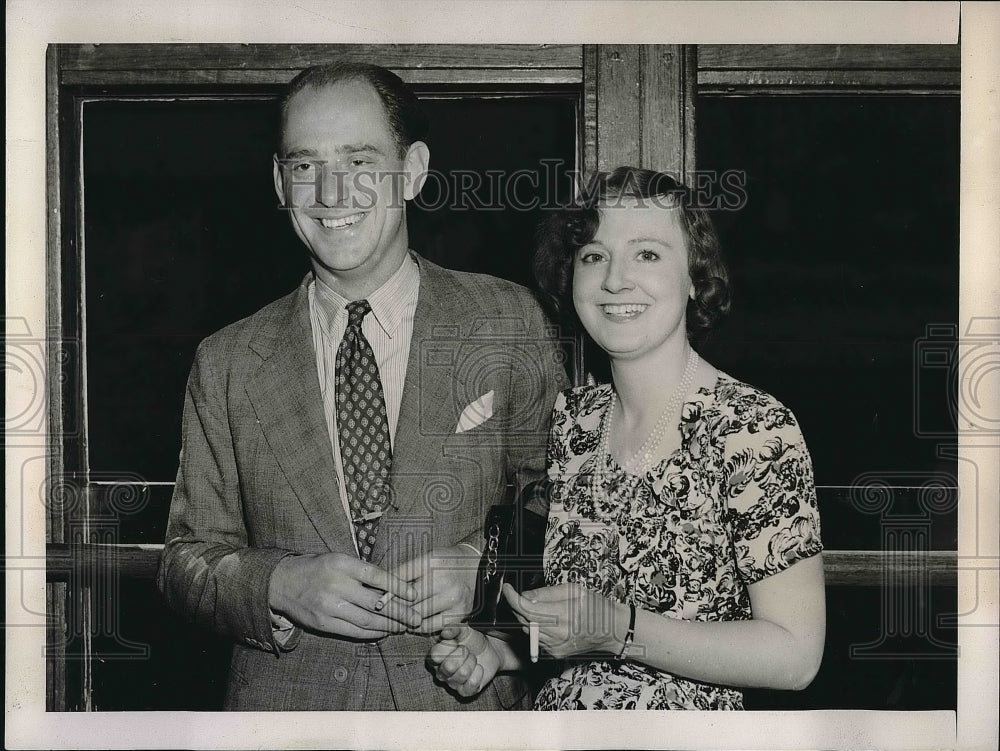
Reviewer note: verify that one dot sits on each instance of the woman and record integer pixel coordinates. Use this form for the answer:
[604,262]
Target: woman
[682,552]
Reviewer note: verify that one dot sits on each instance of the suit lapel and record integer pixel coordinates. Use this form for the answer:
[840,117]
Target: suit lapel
[426,413]
[285,395]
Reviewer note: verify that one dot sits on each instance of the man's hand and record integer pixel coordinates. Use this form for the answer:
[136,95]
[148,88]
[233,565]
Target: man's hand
[464,659]
[445,584]
[338,594]
[572,619]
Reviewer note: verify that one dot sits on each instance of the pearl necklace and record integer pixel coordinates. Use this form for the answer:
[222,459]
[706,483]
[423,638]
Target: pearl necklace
[640,460]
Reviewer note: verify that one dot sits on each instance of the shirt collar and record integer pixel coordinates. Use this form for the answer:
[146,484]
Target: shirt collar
[389,302]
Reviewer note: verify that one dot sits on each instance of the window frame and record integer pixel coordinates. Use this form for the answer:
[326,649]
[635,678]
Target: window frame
[637,105]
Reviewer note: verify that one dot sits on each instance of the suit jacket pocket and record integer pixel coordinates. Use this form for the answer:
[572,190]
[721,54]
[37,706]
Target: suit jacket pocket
[512,693]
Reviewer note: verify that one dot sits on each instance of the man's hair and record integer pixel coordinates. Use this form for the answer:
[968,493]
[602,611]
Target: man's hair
[567,230]
[406,117]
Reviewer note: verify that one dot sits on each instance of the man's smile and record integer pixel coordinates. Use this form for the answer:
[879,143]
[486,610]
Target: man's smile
[341,222]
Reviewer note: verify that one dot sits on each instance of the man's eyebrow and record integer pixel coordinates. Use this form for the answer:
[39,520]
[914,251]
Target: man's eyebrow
[300,153]
[356,147]
[351,148]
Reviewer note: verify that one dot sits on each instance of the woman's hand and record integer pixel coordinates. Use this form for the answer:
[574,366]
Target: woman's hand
[464,659]
[572,620]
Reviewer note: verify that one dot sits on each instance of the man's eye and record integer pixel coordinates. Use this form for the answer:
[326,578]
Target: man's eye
[360,162]
[302,167]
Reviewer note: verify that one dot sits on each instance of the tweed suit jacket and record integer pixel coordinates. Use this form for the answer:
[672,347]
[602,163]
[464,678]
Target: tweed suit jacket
[257,482]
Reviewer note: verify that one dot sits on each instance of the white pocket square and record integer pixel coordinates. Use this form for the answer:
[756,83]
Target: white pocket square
[476,413]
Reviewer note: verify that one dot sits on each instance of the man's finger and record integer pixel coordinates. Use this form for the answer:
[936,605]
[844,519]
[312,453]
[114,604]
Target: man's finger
[379,578]
[412,569]
[435,623]
[442,602]
[451,664]
[441,652]
[464,670]
[367,599]
[471,686]
[352,630]
[364,620]
[454,632]
[470,637]
[400,612]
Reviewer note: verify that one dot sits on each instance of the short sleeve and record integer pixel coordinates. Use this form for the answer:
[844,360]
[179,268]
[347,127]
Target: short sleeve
[767,482]
[555,452]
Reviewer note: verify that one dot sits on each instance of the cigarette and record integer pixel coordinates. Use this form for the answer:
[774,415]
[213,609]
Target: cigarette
[533,640]
[383,602]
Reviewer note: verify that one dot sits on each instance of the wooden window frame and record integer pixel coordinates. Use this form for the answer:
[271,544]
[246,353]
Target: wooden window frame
[637,105]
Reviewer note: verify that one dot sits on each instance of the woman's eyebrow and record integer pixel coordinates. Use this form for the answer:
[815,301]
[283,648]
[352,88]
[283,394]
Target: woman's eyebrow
[657,240]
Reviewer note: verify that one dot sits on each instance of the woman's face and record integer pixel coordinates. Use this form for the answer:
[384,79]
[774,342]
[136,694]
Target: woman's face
[631,282]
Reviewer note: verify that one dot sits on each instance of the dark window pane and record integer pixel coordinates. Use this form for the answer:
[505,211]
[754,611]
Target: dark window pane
[183,236]
[154,660]
[867,666]
[845,271]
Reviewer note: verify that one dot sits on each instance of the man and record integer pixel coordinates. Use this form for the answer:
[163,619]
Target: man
[341,446]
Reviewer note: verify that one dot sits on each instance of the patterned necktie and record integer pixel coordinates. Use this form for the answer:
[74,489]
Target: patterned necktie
[363,429]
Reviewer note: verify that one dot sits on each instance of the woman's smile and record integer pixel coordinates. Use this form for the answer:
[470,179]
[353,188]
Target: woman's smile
[623,311]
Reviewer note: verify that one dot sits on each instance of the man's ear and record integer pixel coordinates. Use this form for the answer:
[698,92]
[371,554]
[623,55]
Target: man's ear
[415,164]
[279,180]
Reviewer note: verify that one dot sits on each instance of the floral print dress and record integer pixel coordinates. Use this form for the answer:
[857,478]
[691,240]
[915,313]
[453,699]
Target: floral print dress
[735,503]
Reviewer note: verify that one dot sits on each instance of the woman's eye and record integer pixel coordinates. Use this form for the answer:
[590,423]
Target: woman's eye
[590,258]
[648,255]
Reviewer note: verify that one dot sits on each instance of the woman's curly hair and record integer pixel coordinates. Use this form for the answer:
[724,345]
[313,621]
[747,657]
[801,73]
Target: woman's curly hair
[565,231]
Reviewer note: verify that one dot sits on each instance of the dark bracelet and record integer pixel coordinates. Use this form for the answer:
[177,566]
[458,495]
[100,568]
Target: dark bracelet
[629,635]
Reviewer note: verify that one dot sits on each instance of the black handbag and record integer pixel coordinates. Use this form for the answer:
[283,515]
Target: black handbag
[515,539]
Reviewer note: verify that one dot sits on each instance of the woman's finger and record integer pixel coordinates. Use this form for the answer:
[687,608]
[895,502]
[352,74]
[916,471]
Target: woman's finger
[517,602]
[557,593]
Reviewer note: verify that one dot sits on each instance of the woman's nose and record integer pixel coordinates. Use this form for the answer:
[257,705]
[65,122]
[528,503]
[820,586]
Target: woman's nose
[617,276]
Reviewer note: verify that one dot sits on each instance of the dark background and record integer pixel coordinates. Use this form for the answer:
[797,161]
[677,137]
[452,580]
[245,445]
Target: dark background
[846,251]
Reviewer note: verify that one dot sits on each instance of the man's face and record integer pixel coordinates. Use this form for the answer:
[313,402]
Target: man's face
[344,183]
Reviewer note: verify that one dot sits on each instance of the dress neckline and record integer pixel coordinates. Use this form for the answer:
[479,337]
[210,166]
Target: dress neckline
[615,466]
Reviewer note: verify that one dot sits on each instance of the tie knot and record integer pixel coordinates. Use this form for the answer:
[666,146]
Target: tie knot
[356,312]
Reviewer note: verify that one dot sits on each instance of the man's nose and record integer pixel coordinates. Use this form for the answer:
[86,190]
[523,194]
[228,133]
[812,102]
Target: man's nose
[332,190]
